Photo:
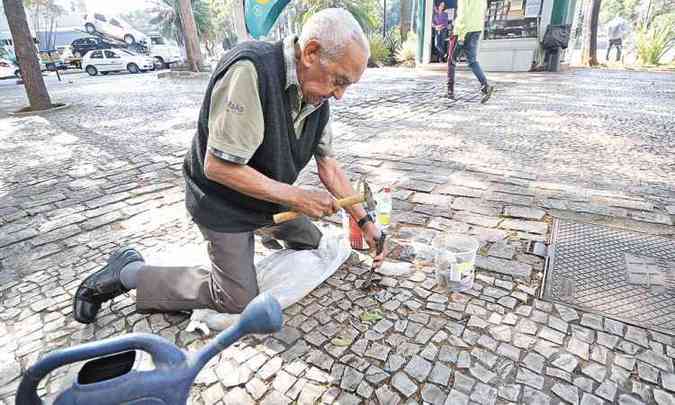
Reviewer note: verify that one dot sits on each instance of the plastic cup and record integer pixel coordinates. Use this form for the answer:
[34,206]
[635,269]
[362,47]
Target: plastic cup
[454,260]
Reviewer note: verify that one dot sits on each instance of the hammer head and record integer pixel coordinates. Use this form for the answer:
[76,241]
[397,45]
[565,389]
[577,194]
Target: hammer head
[368,198]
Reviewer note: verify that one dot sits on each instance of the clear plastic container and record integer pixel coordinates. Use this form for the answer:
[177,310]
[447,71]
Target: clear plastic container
[384,206]
[454,259]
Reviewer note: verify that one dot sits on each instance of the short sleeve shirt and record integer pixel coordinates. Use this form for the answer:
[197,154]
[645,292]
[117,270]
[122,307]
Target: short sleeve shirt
[470,16]
[236,122]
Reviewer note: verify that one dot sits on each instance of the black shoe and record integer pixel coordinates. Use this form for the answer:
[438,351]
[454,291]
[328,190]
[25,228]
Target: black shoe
[487,91]
[271,243]
[451,96]
[103,285]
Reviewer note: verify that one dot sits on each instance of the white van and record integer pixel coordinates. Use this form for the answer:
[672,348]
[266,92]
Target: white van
[163,52]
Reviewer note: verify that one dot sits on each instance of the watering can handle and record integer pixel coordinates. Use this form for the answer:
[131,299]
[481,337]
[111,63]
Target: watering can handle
[162,351]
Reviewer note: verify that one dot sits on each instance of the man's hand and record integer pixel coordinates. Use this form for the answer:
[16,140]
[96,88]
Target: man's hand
[335,180]
[372,234]
[315,204]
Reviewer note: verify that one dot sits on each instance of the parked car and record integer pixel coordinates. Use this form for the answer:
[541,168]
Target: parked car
[83,45]
[8,69]
[164,52]
[115,60]
[66,53]
[113,27]
[53,62]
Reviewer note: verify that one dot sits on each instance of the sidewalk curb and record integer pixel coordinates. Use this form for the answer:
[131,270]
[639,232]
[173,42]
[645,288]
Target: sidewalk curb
[184,75]
[59,106]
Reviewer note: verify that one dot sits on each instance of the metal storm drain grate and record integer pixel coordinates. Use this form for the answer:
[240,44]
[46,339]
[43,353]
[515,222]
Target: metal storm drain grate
[625,275]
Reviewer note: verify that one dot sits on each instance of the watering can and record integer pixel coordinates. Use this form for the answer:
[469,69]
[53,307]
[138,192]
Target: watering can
[109,378]
[260,15]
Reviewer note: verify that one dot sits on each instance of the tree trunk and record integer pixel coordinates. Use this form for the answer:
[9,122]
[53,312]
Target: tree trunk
[194,55]
[384,19]
[593,45]
[26,56]
[406,18]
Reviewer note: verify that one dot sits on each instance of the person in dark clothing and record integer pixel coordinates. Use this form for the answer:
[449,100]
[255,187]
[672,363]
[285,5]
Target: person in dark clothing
[265,115]
[440,24]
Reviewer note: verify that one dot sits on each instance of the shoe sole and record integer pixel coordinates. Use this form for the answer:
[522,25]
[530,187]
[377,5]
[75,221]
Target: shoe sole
[115,256]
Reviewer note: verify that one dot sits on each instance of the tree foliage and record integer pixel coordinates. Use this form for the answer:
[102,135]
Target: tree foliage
[364,11]
[628,9]
[638,12]
[216,25]
[654,40]
[43,15]
[167,18]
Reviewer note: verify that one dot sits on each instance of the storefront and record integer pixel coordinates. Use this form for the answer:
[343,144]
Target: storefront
[512,35]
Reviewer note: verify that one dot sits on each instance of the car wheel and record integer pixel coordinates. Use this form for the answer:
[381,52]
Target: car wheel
[129,39]
[89,28]
[160,62]
[92,70]
[133,68]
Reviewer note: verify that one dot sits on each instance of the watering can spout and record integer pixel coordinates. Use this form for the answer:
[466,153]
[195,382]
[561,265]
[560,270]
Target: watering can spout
[261,316]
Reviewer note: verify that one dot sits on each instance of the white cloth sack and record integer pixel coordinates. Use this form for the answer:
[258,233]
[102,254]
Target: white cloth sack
[289,275]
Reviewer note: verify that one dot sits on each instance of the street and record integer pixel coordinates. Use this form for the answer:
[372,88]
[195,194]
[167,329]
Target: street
[586,145]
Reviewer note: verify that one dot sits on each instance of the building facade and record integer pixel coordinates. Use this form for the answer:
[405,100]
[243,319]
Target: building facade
[513,32]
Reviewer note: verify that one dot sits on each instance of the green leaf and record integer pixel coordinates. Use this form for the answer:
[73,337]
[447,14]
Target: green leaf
[371,316]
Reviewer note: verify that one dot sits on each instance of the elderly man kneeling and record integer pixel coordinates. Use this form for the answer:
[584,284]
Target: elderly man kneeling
[265,115]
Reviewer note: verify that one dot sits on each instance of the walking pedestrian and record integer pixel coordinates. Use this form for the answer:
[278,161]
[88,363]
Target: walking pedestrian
[469,27]
[617,29]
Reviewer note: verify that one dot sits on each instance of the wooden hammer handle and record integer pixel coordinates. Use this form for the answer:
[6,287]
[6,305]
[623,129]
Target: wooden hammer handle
[343,202]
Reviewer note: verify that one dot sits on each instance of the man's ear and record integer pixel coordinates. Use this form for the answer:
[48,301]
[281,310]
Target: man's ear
[311,52]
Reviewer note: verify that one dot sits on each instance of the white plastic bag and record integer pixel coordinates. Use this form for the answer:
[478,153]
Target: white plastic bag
[289,275]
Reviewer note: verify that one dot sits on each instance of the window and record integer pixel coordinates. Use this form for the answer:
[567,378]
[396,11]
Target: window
[97,55]
[157,41]
[115,23]
[512,19]
[100,17]
[111,55]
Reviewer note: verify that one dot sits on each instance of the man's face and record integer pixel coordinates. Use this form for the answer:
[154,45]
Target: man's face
[323,79]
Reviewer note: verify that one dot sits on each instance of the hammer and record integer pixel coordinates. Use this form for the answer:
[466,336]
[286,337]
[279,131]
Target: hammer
[365,196]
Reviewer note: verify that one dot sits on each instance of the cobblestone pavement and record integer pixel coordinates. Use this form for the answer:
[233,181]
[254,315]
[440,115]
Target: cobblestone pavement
[595,145]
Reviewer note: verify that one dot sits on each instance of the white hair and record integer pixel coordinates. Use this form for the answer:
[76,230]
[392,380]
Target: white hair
[334,29]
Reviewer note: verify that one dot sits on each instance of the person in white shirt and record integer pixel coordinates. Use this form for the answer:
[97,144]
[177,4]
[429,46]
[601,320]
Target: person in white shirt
[617,29]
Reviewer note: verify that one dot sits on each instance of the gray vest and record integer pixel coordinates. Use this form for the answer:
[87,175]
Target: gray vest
[281,156]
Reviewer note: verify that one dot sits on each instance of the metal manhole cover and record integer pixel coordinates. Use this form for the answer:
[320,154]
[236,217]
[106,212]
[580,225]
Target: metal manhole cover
[625,275]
